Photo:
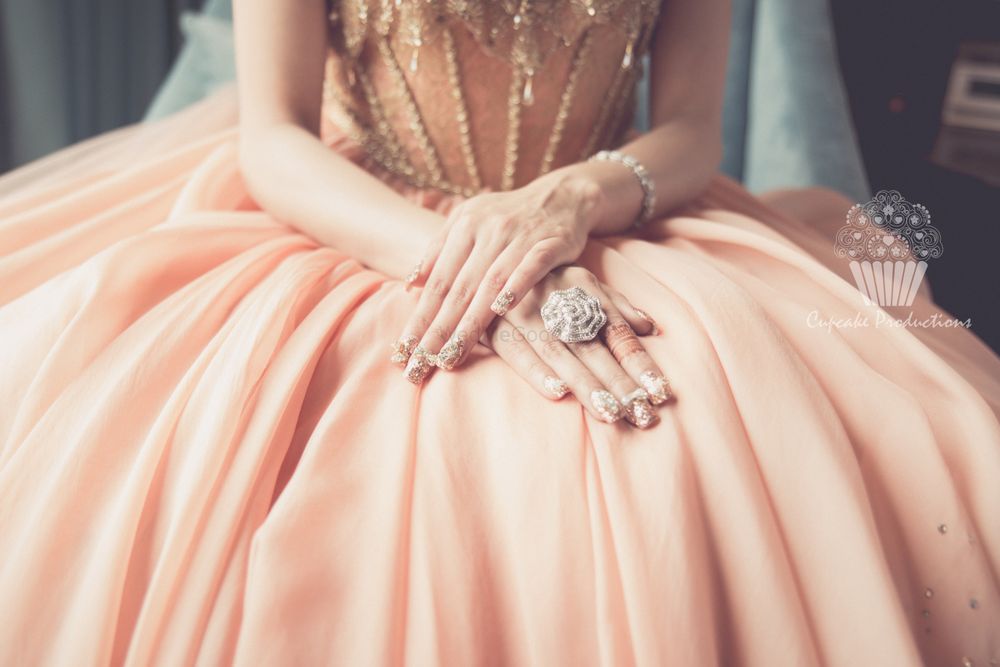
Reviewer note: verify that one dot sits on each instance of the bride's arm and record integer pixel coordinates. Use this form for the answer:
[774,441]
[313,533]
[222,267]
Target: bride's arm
[281,50]
[499,245]
[683,148]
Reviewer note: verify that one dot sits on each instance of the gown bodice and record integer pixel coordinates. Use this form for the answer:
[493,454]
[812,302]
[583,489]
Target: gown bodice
[466,95]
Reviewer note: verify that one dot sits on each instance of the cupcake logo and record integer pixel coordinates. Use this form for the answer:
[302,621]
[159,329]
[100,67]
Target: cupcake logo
[889,242]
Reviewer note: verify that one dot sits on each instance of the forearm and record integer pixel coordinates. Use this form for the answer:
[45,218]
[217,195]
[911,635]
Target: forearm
[300,181]
[681,157]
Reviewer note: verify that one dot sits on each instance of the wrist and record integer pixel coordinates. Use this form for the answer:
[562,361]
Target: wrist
[580,185]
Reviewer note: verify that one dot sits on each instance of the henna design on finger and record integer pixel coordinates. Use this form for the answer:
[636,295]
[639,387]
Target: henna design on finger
[622,341]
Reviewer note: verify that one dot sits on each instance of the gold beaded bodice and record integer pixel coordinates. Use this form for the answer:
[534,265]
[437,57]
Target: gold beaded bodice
[463,95]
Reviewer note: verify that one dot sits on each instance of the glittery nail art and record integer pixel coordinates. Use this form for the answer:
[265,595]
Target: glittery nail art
[502,303]
[555,387]
[606,405]
[419,366]
[450,353]
[402,349]
[638,410]
[657,386]
[644,315]
[414,274]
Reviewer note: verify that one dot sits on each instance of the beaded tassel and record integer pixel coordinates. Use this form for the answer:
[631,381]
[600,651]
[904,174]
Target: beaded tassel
[516,31]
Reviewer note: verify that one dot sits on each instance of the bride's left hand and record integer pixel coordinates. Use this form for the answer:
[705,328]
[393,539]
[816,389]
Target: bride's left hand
[611,375]
[495,248]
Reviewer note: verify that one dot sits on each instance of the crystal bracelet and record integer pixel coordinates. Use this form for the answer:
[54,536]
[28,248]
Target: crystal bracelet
[645,181]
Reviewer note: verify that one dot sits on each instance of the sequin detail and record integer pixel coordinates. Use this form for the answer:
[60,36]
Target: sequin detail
[412,276]
[638,410]
[555,387]
[522,33]
[606,405]
[657,386]
[450,353]
[501,305]
[419,366]
[645,316]
[402,349]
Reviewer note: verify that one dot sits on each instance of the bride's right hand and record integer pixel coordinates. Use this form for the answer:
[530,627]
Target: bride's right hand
[600,373]
[495,247]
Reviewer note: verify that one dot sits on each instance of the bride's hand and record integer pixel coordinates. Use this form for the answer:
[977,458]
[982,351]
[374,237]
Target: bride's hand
[495,247]
[612,375]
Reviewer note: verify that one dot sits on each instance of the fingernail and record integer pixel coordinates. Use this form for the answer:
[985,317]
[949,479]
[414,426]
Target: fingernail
[419,366]
[555,387]
[656,386]
[450,353]
[414,274]
[606,405]
[502,303]
[645,316]
[402,349]
[638,410]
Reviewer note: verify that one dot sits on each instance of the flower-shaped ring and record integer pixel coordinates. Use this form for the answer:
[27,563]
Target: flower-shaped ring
[573,316]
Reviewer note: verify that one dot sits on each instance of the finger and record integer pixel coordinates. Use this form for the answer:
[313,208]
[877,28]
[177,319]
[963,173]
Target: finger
[632,401]
[586,387]
[630,354]
[509,344]
[403,346]
[480,313]
[424,267]
[599,359]
[639,320]
[535,266]
[442,335]
[419,365]
[447,266]
[426,263]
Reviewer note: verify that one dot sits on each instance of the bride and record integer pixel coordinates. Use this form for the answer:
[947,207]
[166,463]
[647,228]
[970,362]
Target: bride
[428,359]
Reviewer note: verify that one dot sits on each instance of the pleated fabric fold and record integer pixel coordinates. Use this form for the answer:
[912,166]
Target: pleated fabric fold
[206,458]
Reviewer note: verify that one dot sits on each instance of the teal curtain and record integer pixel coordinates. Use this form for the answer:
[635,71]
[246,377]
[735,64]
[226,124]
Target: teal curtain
[70,69]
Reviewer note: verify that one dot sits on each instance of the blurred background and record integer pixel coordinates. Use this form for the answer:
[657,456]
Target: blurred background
[70,69]
[857,95]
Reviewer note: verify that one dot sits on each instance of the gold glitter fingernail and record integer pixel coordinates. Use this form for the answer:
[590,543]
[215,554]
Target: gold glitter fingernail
[555,387]
[450,353]
[657,386]
[402,349]
[606,405]
[414,274]
[638,410]
[645,316]
[502,303]
[419,366]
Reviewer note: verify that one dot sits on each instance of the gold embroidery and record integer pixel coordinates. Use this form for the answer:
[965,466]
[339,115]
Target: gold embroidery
[523,33]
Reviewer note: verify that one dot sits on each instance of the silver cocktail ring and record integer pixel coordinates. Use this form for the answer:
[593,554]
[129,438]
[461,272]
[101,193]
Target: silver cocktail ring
[573,316]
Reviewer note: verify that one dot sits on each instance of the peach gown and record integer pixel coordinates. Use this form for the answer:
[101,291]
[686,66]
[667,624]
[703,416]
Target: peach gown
[206,457]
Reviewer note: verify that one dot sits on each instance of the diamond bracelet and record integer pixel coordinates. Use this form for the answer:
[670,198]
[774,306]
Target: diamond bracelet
[645,181]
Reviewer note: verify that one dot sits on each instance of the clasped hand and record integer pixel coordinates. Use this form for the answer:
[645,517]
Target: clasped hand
[485,278]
